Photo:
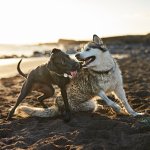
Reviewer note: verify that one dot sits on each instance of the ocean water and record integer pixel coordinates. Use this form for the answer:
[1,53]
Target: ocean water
[27,50]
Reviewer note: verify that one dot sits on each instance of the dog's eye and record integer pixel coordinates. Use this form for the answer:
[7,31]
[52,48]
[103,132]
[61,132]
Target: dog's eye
[62,62]
[87,49]
[79,50]
[68,56]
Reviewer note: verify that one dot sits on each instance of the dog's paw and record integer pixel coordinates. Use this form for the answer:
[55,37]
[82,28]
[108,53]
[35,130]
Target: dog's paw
[67,116]
[8,118]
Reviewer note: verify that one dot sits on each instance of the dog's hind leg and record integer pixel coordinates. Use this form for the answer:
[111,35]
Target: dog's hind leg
[48,92]
[90,105]
[26,88]
[120,94]
[109,102]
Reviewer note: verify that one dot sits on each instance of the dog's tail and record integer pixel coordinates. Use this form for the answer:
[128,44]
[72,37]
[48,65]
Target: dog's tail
[19,70]
[25,111]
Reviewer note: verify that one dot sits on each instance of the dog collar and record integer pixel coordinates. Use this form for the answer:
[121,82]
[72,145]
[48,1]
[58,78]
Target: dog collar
[67,75]
[104,72]
[62,75]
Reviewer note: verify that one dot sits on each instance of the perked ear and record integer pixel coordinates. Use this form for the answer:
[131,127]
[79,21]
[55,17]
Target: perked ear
[97,40]
[55,50]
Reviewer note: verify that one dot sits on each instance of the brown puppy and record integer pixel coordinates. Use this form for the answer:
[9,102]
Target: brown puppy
[58,71]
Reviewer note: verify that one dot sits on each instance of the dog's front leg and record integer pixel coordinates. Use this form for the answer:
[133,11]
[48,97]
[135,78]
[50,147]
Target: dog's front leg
[67,116]
[120,94]
[109,102]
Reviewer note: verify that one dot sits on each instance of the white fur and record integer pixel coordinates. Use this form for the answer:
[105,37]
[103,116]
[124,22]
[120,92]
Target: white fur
[25,111]
[104,61]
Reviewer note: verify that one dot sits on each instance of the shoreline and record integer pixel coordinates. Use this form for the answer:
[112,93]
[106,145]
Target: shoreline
[8,67]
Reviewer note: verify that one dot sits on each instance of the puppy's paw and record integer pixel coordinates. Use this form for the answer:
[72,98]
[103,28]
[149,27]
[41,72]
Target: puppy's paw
[67,116]
[8,118]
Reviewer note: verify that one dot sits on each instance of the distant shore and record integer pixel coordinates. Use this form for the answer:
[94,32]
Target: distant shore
[117,44]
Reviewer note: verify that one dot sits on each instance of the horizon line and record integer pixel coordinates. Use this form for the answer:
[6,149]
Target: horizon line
[74,39]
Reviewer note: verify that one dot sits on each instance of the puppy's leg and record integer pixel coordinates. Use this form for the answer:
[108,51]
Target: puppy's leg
[109,102]
[48,92]
[26,88]
[41,98]
[60,103]
[120,94]
[66,104]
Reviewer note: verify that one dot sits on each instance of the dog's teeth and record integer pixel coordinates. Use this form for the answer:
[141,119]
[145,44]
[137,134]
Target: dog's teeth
[88,60]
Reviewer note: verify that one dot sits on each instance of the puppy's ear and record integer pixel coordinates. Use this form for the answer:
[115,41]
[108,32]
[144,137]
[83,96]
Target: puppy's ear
[97,40]
[55,50]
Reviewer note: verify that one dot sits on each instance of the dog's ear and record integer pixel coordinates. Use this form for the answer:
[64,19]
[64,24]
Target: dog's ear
[97,40]
[55,50]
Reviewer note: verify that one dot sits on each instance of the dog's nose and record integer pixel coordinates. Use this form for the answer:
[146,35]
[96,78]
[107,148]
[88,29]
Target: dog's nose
[77,56]
[75,66]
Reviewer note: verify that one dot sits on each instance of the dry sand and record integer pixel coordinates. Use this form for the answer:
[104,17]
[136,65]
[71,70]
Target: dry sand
[102,130]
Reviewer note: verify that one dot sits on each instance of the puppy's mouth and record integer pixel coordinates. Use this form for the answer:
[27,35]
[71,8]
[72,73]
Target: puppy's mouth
[71,74]
[87,61]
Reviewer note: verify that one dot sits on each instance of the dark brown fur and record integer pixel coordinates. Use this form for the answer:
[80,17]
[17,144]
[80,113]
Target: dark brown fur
[43,77]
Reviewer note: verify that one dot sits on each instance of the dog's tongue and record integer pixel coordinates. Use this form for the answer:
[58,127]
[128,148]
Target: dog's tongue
[73,73]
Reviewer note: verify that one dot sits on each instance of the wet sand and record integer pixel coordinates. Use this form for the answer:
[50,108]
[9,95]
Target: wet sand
[8,66]
[101,130]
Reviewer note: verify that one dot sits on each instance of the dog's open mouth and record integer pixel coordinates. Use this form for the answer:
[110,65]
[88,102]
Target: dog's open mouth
[71,74]
[87,60]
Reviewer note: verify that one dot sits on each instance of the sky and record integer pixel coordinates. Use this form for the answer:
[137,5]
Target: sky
[37,21]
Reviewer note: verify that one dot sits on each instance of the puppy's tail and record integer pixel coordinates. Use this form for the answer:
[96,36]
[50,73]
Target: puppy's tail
[25,111]
[19,70]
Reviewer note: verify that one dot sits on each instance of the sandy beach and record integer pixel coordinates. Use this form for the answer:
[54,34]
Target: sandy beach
[101,130]
[33,30]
